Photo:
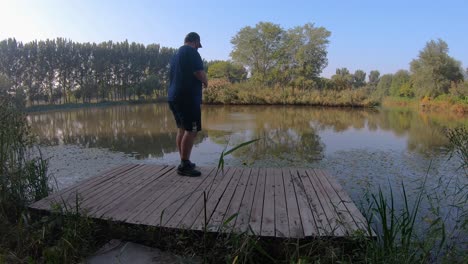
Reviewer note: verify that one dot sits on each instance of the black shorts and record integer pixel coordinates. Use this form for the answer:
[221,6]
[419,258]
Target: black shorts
[187,116]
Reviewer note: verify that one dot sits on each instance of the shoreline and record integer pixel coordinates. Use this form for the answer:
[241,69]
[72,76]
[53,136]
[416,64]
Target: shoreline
[67,106]
[435,106]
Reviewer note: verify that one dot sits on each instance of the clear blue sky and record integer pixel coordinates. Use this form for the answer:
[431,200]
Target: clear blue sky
[366,35]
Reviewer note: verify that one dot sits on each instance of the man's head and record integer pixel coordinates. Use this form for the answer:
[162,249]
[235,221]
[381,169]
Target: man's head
[193,39]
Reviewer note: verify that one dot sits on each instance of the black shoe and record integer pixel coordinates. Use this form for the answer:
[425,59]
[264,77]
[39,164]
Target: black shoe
[193,165]
[188,170]
[188,163]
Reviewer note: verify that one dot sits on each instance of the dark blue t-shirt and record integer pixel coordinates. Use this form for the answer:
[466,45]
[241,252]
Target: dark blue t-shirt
[184,87]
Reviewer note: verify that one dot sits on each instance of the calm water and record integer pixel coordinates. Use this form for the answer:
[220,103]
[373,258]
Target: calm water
[362,148]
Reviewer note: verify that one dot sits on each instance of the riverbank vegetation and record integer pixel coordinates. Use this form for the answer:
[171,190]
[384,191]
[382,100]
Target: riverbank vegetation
[25,237]
[270,65]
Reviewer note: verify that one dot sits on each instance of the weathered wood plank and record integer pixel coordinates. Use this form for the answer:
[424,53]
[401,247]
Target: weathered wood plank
[294,218]
[243,218]
[116,199]
[329,208]
[96,200]
[179,191]
[147,206]
[216,219]
[315,204]
[135,196]
[184,212]
[268,215]
[195,218]
[347,220]
[183,201]
[85,197]
[64,194]
[307,217]
[256,214]
[348,202]
[234,206]
[281,211]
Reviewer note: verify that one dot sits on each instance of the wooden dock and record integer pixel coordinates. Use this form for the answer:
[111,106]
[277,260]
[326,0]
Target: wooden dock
[279,202]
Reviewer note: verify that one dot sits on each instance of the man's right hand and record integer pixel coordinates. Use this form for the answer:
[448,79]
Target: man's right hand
[201,75]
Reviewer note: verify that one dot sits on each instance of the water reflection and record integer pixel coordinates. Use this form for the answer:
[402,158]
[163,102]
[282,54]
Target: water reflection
[297,134]
[144,131]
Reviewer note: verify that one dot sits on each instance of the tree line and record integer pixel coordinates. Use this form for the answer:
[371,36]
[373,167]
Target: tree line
[63,71]
[273,56]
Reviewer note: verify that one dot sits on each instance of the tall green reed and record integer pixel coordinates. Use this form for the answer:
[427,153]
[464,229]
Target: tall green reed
[432,225]
[23,178]
[63,236]
[458,146]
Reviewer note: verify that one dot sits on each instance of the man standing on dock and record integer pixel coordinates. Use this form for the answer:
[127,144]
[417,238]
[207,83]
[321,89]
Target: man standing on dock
[185,96]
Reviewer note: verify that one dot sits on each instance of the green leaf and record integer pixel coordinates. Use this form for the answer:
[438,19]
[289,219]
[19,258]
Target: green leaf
[240,146]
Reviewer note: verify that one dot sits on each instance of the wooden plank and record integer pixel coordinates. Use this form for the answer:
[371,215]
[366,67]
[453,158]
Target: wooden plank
[256,213]
[294,218]
[90,190]
[268,215]
[129,207]
[95,179]
[243,218]
[330,210]
[131,194]
[348,202]
[181,205]
[146,215]
[62,194]
[281,211]
[194,204]
[195,218]
[315,204]
[307,217]
[236,201]
[147,204]
[347,220]
[170,198]
[120,195]
[216,219]
[87,195]
[100,198]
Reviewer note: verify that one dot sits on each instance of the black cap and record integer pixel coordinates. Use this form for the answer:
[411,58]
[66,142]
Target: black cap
[192,37]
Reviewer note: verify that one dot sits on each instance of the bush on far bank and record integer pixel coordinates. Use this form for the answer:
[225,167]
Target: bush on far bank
[221,91]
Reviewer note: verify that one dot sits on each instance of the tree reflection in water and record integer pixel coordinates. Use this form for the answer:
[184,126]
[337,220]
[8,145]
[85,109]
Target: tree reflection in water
[291,134]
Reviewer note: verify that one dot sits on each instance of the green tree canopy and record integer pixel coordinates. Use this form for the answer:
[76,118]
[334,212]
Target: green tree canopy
[383,87]
[359,79]
[401,85]
[434,70]
[374,77]
[342,79]
[226,70]
[306,54]
[259,49]
[273,55]
[5,85]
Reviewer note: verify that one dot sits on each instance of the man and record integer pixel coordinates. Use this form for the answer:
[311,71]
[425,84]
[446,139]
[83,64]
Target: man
[185,95]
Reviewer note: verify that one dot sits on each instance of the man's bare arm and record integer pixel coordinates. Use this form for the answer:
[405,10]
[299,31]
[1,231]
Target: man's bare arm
[201,75]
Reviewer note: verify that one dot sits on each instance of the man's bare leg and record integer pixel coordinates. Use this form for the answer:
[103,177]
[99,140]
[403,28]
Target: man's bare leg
[186,144]
[180,135]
